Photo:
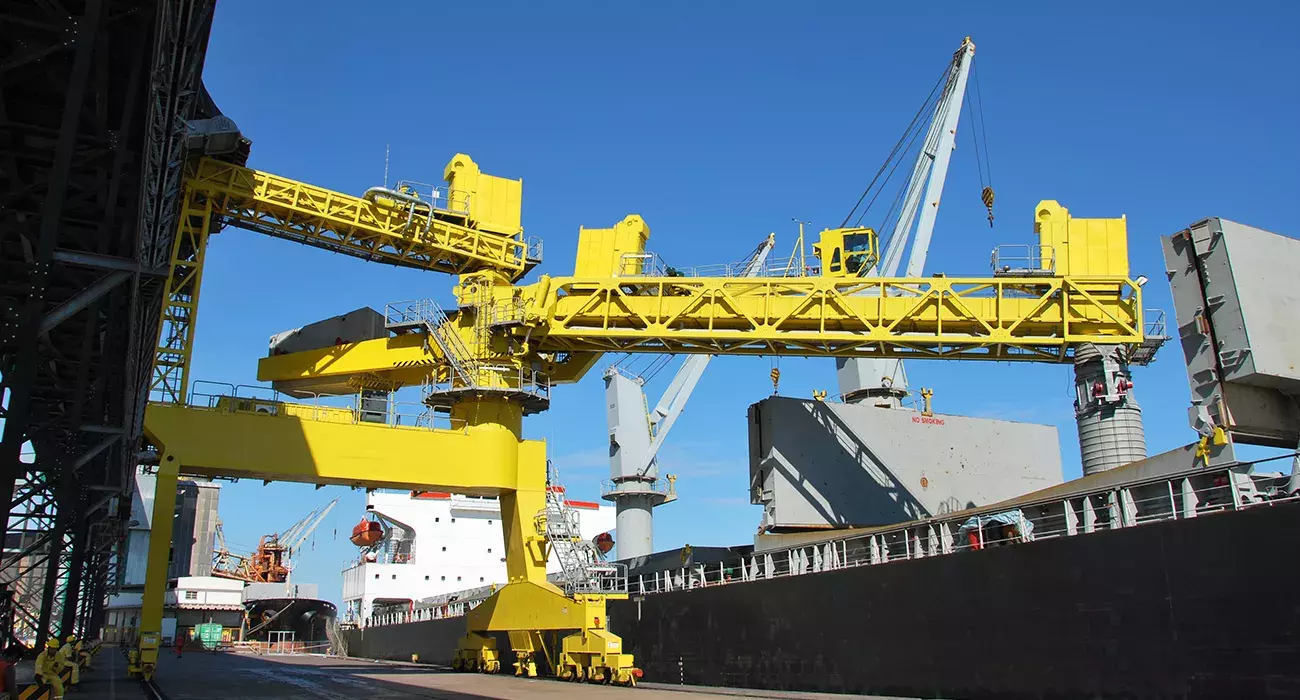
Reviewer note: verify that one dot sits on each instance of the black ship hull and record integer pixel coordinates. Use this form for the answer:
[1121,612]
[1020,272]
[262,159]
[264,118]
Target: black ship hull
[1199,608]
[307,618]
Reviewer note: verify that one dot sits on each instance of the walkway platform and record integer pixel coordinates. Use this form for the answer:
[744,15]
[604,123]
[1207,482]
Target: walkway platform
[106,680]
[224,676]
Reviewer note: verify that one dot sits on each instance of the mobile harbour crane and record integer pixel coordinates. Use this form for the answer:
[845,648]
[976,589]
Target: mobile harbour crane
[493,359]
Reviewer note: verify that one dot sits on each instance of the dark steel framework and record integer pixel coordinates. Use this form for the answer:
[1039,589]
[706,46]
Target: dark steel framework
[94,99]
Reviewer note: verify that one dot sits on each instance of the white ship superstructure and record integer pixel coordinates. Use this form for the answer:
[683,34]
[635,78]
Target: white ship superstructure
[436,543]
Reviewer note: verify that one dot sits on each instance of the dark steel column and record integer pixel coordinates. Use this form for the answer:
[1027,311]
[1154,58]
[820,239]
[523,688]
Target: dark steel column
[51,581]
[25,331]
[72,593]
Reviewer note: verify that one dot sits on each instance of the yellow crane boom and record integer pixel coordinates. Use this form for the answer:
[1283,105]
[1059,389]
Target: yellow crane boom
[471,224]
[1032,313]
[389,226]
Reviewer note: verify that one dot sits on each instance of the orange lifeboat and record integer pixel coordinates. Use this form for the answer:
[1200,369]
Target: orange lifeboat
[604,542]
[367,533]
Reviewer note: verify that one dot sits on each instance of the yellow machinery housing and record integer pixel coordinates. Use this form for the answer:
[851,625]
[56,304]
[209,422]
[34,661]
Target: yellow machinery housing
[493,359]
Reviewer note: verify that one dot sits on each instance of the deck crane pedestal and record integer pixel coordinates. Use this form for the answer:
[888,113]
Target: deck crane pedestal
[636,433]
[493,358]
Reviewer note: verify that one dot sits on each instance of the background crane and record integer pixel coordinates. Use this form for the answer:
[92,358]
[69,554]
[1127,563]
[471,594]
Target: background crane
[885,381]
[272,561]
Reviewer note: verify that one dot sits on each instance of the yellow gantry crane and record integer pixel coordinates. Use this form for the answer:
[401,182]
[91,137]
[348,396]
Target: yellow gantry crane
[493,358]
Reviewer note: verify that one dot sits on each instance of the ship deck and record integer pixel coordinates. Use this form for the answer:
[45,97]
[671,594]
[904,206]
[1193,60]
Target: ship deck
[222,676]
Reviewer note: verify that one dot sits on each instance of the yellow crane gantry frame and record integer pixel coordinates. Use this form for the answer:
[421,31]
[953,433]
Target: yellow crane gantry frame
[493,359]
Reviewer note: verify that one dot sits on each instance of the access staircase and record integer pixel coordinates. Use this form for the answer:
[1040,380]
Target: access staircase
[583,568]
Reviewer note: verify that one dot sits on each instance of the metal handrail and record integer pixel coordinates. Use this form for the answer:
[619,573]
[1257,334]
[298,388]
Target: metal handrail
[661,486]
[396,414]
[533,249]
[1155,323]
[1024,260]
[642,265]
[436,322]
[649,264]
[439,198]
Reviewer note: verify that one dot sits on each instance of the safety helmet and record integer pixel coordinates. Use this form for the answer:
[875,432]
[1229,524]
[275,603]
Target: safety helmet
[72,638]
[53,643]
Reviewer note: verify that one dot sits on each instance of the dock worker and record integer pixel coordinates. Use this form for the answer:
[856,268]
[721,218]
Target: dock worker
[68,659]
[83,655]
[48,667]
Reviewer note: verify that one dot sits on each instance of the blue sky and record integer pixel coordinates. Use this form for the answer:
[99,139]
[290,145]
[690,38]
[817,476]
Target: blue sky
[719,123]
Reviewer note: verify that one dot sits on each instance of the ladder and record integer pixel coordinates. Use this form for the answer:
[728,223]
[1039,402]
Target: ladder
[428,316]
[583,568]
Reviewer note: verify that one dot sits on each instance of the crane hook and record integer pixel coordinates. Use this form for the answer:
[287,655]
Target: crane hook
[987,197]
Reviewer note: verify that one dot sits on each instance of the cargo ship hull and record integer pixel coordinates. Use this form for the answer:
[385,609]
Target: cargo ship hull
[1190,608]
[307,618]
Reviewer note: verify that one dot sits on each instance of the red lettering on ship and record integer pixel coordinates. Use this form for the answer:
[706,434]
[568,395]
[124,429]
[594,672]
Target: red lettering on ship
[927,420]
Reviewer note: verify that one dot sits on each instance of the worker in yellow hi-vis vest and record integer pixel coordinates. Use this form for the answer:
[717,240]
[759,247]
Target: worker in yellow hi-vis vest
[48,667]
[83,656]
[68,659]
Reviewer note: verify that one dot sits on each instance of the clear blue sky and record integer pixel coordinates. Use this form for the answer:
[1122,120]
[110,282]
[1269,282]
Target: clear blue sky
[719,122]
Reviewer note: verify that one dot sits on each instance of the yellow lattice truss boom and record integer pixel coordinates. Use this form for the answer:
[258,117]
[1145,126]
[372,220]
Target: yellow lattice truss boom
[990,319]
[380,229]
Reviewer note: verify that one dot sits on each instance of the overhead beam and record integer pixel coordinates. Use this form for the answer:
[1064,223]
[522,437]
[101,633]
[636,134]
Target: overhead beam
[106,262]
[82,299]
[255,445]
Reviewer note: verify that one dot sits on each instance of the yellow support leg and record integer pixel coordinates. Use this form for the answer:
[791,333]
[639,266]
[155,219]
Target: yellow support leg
[485,456]
[528,605]
[142,660]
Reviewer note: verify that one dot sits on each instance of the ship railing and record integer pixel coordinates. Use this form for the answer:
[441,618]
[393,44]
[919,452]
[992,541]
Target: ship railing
[458,604]
[1193,493]
[354,409]
[449,609]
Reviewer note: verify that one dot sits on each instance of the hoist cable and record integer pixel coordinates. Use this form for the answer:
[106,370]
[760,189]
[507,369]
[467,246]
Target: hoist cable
[979,96]
[893,152]
[974,139]
[915,134]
